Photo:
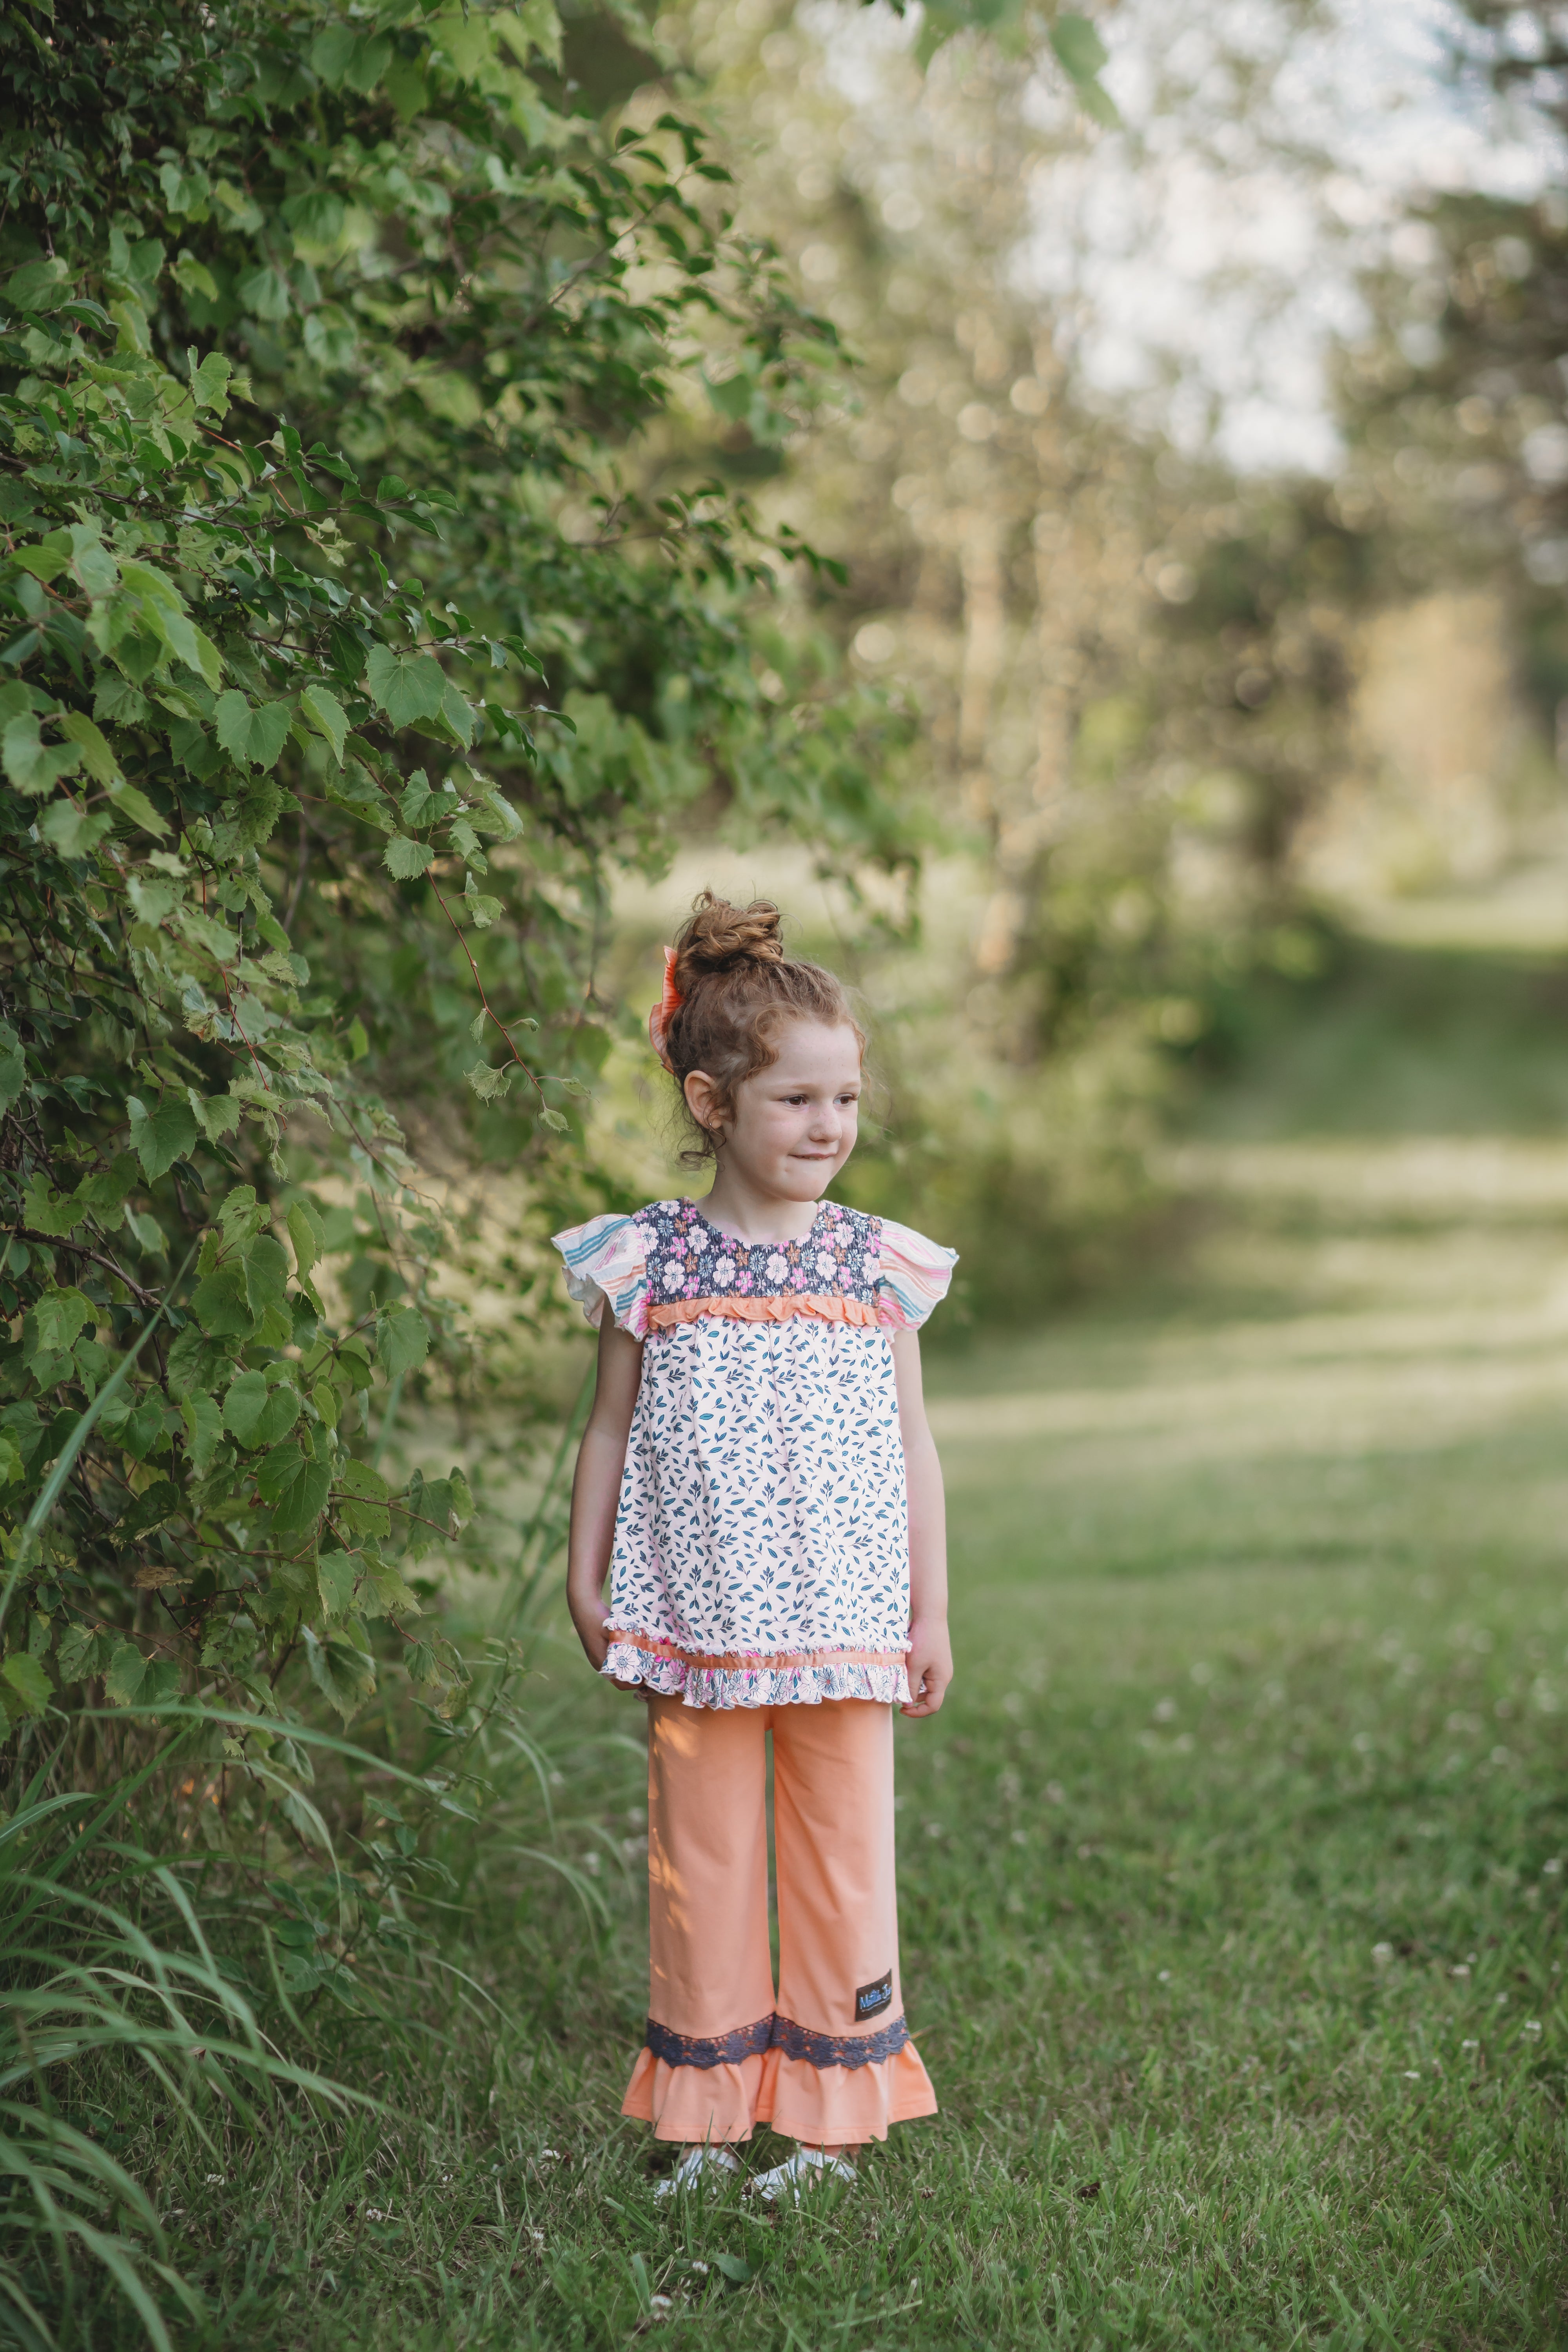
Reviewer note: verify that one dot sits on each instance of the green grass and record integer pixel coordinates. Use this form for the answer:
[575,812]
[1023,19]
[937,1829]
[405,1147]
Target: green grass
[1445,1041]
[1230,1873]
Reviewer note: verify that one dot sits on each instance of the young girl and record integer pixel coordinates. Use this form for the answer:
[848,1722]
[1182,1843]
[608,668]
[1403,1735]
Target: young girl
[758,1475]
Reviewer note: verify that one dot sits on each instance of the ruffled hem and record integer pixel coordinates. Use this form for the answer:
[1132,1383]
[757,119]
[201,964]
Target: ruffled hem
[738,1681]
[827,2106]
[831,2107]
[696,2103]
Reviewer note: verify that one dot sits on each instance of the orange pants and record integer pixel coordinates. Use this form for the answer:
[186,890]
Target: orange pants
[829,2061]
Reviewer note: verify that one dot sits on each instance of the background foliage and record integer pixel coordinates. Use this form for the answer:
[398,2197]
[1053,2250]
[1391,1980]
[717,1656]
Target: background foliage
[1131,666]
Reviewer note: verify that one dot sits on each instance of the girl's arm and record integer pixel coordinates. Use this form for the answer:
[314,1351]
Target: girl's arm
[596,1487]
[931,1652]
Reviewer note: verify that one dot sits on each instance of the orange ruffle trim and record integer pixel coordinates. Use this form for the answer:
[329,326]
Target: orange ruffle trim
[825,1307]
[738,1661]
[827,2106]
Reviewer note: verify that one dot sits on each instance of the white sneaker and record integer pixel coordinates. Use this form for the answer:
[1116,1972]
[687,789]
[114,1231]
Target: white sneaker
[700,2167]
[807,2163]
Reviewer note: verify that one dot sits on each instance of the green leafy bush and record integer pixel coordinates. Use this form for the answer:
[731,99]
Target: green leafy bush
[351,625]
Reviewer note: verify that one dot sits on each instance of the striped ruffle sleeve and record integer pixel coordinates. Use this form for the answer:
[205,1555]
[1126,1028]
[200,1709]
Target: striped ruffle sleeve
[607,1259]
[914,1277]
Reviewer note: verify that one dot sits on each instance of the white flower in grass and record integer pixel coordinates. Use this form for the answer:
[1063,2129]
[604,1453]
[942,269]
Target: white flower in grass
[1550,1869]
[1460,1969]
[1532,2025]
[1469,2045]
[1412,2074]
[1381,1955]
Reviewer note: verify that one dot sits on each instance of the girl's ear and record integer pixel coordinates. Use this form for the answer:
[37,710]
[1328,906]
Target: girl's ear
[702,1102]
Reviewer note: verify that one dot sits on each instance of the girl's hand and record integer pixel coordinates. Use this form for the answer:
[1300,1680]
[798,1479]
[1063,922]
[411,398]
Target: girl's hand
[930,1661]
[590,1614]
[930,1667]
[595,1490]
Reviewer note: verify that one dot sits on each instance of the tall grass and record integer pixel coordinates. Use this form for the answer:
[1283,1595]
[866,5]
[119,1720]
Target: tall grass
[107,1969]
[182,1975]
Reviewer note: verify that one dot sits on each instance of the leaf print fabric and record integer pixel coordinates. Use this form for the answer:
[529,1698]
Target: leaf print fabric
[762,1545]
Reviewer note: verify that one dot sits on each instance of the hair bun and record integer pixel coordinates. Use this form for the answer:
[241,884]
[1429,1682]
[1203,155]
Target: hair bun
[720,938]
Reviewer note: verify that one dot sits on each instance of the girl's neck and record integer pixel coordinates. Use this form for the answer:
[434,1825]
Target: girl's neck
[752,1215]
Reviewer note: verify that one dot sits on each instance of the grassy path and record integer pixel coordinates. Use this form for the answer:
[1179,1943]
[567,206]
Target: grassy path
[1233,1869]
[1262,1596]
[1263,1583]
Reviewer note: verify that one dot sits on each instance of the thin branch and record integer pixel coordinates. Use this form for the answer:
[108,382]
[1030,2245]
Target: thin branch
[78,1249]
[484,1000]
[300,872]
[239,1033]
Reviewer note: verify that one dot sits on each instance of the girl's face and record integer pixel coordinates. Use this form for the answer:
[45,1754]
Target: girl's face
[794,1123]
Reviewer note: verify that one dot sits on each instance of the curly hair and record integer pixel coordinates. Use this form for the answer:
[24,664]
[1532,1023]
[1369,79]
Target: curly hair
[738,989]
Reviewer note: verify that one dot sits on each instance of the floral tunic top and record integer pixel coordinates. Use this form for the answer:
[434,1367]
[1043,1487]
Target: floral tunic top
[762,1545]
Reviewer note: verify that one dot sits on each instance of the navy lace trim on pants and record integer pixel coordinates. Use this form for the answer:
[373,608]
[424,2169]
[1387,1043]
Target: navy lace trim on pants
[721,2050]
[776,2033]
[838,2049]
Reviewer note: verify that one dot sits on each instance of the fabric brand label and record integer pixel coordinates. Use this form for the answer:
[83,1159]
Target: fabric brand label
[872,1999]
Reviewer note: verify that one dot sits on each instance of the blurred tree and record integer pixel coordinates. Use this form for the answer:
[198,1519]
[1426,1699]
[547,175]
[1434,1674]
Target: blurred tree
[1456,404]
[1129,666]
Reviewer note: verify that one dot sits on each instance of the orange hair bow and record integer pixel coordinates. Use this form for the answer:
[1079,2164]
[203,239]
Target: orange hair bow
[663,1012]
